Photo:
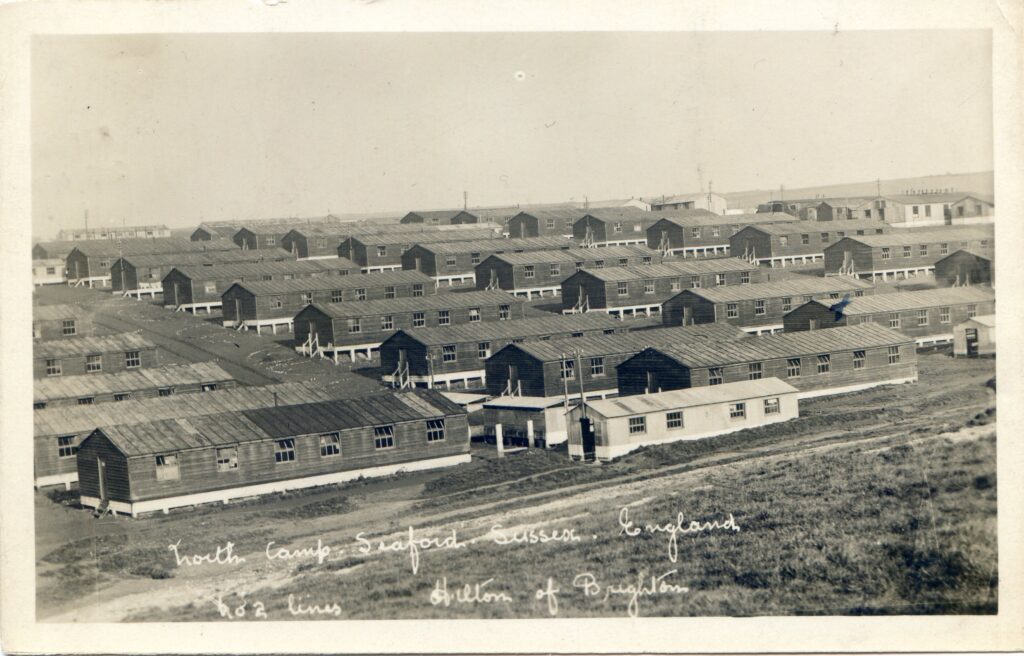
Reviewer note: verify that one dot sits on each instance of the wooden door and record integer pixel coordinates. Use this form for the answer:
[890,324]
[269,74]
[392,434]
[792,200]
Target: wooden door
[972,342]
[588,438]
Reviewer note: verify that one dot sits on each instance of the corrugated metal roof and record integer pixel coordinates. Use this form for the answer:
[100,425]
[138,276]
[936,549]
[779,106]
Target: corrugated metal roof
[71,346]
[927,298]
[912,236]
[212,257]
[687,398]
[555,349]
[576,255]
[441,301]
[498,244]
[117,248]
[243,270]
[542,214]
[169,435]
[426,234]
[68,387]
[531,327]
[670,269]
[64,420]
[57,312]
[781,345]
[624,213]
[700,220]
[297,285]
[812,227]
[791,287]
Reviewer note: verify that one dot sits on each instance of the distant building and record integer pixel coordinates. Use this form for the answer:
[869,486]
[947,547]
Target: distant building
[330,330]
[544,222]
[89,262]
[441,217]
[376,252]
[816,209]
[700,201]
[200,287]
[542,273]
[631,291]
[271,304]
[912,210]
[312,242]
[142,275]
[122,232]
[796,242]
[622,226]
[454,263]
[899,254]
[699,234]
[927,316]
[757,308]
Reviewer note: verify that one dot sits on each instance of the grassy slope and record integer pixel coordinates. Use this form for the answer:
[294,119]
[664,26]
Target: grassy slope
[897,529]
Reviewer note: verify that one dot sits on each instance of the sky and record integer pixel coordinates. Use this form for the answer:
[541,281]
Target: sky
[180,128]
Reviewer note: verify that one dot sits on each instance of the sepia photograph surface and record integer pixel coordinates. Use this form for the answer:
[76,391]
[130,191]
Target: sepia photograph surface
[513,325]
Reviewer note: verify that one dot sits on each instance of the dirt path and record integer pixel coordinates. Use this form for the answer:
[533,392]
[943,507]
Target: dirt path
[201,584]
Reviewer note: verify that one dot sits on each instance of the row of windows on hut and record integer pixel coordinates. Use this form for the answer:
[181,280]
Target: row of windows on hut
[675,419]
[94,363]
[359,294]
[127,396]
[530,270]
[284,449]
[755,370]
[923,250]
[922,318]
[419,319]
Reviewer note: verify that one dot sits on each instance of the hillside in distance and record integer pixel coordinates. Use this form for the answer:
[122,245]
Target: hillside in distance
[980,182]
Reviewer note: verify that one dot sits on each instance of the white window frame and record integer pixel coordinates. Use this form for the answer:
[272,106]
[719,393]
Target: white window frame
[330,444]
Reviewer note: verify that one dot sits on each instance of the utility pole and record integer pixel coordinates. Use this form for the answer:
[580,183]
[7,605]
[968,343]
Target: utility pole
[86,224]
[878,187]
[465,200]
[586,202]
